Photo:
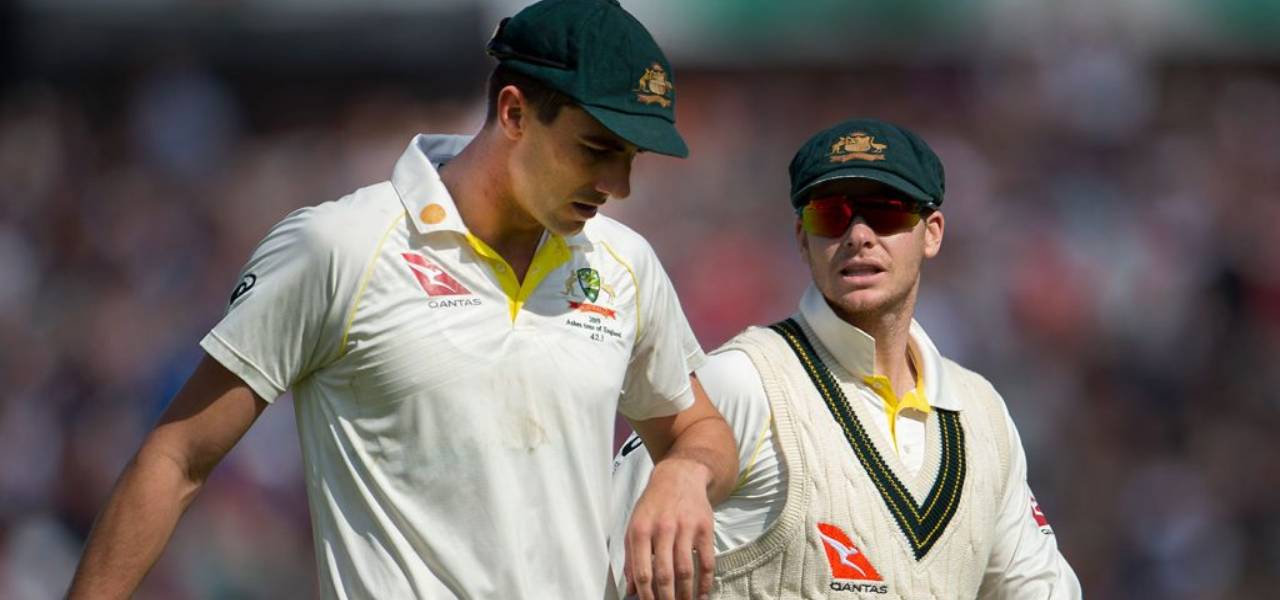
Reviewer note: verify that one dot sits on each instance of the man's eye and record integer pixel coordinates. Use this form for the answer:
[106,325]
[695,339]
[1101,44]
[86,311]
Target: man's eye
[596,152]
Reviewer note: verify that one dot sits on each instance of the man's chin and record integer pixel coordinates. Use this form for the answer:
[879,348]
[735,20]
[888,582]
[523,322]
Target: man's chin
[863,302]
[567,228]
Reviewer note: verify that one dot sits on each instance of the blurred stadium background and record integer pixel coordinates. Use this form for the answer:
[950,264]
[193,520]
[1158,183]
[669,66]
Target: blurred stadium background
[1111,260]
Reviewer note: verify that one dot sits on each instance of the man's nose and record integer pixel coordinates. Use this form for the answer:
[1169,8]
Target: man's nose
[859,233]
[615,178]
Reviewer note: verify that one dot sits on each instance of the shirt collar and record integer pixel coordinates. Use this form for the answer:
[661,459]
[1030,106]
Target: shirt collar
[417,181]
[931,365]
[424,196]
[855,350]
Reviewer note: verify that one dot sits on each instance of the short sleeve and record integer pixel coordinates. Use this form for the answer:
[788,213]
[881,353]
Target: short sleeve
[285,315]
[733,385]
[666,351]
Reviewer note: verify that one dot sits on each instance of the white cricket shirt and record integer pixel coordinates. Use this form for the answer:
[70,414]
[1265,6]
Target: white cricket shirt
[455,423]
[1025,556]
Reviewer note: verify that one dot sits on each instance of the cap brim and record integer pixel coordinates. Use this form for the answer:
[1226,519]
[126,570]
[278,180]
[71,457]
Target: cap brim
[885,177]
[647,132]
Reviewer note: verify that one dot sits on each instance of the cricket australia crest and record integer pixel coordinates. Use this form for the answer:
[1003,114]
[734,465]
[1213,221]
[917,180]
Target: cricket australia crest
[857,145]
[654,87]
[589,282]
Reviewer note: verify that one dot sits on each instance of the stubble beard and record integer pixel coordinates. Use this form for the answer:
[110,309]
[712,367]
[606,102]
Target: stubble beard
[869,314]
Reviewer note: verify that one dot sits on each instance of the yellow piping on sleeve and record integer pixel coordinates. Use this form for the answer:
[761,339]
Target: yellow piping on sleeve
[364,283]
[755,455]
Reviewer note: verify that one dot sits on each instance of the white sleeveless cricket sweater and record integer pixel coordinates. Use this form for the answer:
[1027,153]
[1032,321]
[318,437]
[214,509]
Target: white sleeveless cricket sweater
[854,525]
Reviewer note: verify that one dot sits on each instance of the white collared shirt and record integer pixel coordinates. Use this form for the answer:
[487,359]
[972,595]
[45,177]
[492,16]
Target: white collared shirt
[1025,554]
[455,422]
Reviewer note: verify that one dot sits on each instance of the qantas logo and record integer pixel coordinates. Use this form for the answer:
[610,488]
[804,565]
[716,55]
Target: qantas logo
[850,569]
[434,280]
[847,562]
[1041,521]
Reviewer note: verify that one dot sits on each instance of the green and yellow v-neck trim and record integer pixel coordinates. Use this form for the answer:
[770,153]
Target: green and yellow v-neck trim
[922,524]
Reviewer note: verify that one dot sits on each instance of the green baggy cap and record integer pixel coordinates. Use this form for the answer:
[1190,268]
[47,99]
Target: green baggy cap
[598,54]
[869,149]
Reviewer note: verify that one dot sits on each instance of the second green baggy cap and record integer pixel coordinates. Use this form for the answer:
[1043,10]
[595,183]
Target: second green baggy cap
[598,54]
[869,149]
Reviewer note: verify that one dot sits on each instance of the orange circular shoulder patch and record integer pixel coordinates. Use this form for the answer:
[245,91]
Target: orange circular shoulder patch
[432,214]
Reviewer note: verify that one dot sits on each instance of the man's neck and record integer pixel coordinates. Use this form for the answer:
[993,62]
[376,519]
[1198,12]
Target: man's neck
[892,333]
[478,182]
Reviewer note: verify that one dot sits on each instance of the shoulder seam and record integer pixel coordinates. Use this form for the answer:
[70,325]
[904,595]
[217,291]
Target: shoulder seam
[634,280]
[364,283]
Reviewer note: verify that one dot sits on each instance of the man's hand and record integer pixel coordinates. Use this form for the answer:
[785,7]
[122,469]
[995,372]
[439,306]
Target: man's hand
[671,527]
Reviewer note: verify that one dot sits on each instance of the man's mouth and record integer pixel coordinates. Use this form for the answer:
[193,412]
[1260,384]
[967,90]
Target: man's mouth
[586,210]
[860,270]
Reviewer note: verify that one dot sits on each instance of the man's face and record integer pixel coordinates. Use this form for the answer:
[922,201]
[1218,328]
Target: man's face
[869,270]
[563,171]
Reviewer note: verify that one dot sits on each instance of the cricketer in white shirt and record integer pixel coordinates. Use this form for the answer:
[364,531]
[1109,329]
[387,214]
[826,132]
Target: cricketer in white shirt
[455,424]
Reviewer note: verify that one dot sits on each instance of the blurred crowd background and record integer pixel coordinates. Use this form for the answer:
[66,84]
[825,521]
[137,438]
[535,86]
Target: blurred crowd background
[1111,259]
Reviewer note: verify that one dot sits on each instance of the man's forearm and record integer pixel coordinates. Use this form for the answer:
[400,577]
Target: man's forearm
[709,444]
[134,526]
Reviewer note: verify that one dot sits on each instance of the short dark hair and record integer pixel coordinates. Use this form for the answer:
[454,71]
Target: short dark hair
[545,101]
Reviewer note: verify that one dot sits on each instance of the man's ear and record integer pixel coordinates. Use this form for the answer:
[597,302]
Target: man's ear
[802,240]
[934,226]
[512,106]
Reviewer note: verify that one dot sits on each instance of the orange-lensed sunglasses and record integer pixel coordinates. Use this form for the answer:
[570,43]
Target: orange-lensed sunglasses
[830,216]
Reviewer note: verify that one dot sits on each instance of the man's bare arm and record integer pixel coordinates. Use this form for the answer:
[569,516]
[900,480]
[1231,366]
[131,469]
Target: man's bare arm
[695,466]
[206,418]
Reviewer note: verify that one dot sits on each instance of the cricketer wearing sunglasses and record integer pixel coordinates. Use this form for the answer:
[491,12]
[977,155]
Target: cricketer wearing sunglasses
[870,465]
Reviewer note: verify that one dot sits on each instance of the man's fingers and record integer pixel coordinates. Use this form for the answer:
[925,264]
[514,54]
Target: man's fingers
[682,562]
[626,576]
[664,542]
[704,543]
[640,562]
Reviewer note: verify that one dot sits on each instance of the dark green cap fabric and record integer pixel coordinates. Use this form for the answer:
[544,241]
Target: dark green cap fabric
[598,54]
[869,149]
